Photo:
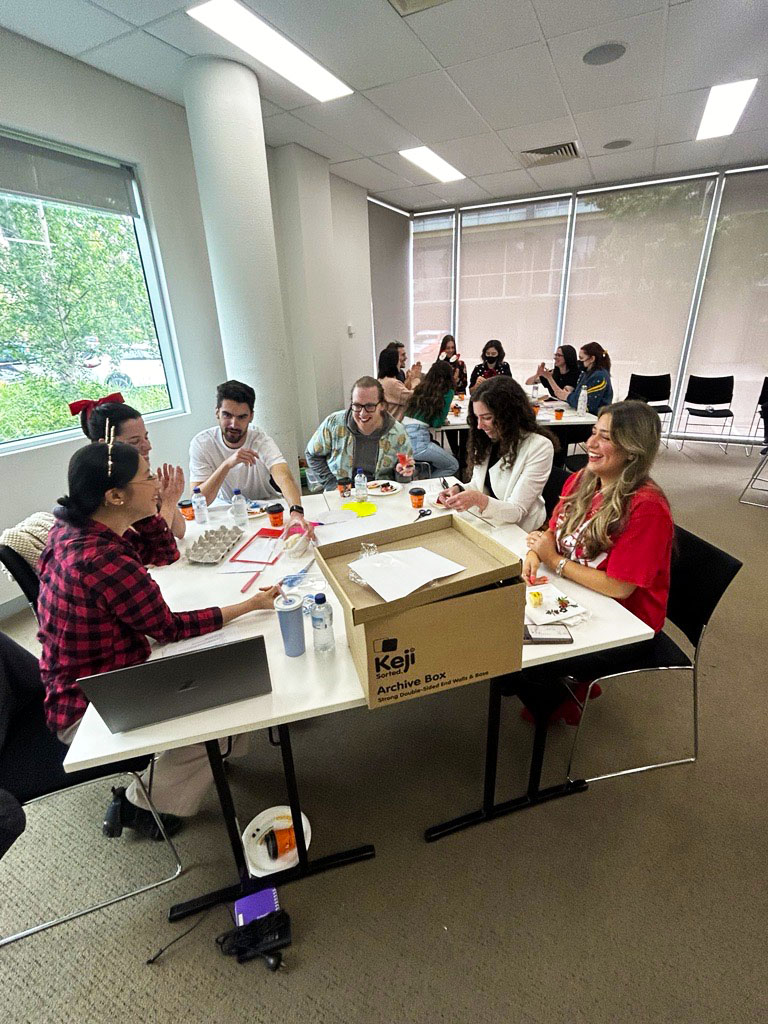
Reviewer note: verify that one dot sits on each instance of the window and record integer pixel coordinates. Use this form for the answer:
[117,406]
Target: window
[75,313]
[432,283]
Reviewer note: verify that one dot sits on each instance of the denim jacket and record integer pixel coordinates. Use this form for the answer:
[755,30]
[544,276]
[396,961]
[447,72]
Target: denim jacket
[332,447]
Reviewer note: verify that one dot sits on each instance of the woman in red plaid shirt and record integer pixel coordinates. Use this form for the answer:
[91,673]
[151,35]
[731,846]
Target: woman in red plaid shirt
[98,604]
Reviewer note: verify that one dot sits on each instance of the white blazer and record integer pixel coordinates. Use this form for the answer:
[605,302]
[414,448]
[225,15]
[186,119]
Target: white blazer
[518,486]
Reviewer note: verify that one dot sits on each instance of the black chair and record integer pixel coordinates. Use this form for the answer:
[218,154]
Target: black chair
[22,572]
[654,390]
[758,481]
[31,759]
[759,413]
[701,573]
[709,392]
[553,488]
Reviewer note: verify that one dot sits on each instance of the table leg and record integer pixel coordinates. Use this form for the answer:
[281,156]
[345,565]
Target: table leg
[247,884]
[533,795]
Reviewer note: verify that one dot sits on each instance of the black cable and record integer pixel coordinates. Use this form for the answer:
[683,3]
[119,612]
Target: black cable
[160,952]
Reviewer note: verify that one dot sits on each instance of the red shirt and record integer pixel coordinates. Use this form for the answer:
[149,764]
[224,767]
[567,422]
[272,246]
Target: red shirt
[641,553]
[98,604]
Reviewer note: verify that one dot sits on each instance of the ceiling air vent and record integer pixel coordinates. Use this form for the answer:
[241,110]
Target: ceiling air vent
[550,155]
[406,7]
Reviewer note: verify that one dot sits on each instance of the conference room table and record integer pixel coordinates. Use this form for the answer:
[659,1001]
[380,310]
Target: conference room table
[322,684]
[545,416]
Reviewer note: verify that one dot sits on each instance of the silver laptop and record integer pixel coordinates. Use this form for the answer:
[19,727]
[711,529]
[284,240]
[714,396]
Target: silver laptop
[180,684]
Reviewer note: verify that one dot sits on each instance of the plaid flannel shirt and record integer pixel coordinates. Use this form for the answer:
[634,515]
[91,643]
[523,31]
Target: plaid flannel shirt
[98,604]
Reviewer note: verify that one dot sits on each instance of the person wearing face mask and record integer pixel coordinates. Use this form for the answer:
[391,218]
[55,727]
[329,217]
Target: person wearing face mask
[98,606]
[450,355]
[364,436]
[563,377]
[492,365]
[595,378]
[129,428]
[510,455]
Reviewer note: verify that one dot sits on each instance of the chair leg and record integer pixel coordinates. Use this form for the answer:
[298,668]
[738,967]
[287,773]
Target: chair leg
[683,430]
[752,483]
[115,899]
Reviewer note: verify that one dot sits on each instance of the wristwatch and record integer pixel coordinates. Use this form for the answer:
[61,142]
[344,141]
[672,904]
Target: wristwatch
[296,508]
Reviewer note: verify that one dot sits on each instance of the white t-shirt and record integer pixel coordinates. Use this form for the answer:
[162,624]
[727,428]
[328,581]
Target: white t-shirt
[207,451]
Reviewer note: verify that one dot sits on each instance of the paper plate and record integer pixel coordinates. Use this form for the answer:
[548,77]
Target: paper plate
[549,610]
[259,862]
[360,508]
[375,488]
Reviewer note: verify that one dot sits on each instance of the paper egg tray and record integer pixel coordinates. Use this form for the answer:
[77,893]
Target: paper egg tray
[211,547]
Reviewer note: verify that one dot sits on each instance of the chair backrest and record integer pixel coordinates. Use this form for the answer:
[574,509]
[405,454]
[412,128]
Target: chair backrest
[22,572]
[701,574]
[553,488]
[763,397]
[709,390]
[656,388]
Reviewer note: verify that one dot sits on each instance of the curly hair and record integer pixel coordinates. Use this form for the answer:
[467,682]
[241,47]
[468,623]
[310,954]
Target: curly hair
[428,400]
[513,417]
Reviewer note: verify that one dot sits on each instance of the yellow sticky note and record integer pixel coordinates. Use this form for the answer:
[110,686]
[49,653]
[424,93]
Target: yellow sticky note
[361,508]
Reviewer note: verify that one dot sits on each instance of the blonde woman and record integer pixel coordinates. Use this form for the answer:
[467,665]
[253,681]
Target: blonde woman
[612,532]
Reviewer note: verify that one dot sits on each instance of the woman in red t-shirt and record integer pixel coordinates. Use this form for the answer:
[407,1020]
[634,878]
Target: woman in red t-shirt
[612,530]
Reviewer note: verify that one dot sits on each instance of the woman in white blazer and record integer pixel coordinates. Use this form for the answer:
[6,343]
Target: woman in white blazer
[510,456]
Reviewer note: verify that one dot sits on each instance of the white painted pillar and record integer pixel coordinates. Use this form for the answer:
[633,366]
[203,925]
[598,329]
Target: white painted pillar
[225,127]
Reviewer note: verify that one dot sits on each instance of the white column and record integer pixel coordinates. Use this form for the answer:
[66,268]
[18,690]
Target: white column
[225,127]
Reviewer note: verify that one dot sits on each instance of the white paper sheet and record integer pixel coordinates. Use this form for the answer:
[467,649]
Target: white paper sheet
[395,574]
[261,549]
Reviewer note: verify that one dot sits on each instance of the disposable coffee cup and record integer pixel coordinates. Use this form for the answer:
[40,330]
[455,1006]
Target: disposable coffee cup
[185,507]
[558,414]
[275,513]
[290,615]
[417,496]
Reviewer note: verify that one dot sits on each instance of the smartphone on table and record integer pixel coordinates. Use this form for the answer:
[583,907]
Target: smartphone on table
[549,633]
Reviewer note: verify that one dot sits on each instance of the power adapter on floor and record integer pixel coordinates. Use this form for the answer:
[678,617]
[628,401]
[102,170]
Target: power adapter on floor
[262,938]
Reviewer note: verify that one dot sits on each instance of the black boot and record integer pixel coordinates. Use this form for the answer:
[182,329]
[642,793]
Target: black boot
[121,813]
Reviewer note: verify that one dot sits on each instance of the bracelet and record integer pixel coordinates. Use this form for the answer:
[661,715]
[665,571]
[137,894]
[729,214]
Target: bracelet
[560,566]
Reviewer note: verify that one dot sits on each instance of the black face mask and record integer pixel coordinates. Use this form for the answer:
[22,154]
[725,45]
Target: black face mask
[580,366]
[491,359]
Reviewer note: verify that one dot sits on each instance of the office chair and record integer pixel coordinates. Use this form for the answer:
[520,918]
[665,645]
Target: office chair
[701,573]
[22,572]
[31,761]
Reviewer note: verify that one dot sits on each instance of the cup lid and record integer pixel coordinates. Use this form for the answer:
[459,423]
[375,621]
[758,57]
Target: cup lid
[417,490]
[287,602]
[274,509]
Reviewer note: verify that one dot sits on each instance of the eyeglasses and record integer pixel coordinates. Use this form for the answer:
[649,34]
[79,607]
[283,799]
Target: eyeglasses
[369,407]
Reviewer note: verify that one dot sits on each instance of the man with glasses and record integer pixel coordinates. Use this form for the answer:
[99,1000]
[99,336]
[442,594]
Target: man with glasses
[364,436]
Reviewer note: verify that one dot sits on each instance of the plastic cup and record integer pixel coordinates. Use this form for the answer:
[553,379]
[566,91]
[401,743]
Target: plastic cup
[344,486]
[417,496]
[185,507]
[279,841]
[290,615]
[275,513]
[536,408]
[558,414]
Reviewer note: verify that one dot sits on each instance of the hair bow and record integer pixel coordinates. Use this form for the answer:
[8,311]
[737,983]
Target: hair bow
[89,404]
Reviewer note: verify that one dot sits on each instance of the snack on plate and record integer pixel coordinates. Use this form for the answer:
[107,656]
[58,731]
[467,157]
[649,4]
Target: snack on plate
[374,485]
[387,486]
[535,598]
[563,604]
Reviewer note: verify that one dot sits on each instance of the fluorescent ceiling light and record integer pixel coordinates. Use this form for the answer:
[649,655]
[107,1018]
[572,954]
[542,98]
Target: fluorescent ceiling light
[240,26]
[433,164]
[725,105]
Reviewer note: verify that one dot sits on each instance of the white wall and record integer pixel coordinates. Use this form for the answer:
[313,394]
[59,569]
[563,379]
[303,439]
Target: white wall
[52,96]
[389,235]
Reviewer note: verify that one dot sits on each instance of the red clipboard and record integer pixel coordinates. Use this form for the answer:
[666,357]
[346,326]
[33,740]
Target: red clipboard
[266,531]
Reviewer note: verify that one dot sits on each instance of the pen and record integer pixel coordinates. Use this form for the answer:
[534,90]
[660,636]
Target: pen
[444,482]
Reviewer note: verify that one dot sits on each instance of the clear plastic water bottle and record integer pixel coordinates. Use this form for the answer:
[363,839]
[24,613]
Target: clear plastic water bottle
[239,508]
[200,507]
[534,390]
[581,406]
[361,486]
[322,625]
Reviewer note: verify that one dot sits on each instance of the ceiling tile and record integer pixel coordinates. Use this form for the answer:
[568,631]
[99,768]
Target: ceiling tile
[478,154]
[680,116]
[689,156]
[398,164]
[412,198]
[430,106]
[355,121]
[459,191]
[139,12]
[750,147]
[636,76]
[515,87]
[572,174]
[67,25]
[558,18]
[635,121]
[365,44]
[193,38]
[710,42]
[621,166]
[465,29]
[369,175]
[544,133]
[143,60]
[755,116]
[507,186]
[285,128]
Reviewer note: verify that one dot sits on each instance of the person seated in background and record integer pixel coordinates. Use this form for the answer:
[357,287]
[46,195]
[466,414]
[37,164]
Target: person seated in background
[410,377]
[563,377]
[364,436]
[129,428]
[450,355]
[429,407]
[510,456]
[492,364]
[396,394]
[595,378]
[237,455]
[98,604]
[612,532]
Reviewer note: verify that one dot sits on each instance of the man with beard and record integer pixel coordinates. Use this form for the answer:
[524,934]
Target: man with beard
[236,454]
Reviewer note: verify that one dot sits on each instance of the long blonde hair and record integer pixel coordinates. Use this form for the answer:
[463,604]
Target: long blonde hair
[636,431]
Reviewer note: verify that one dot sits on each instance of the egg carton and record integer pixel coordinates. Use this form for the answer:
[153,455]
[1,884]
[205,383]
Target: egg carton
[212,545]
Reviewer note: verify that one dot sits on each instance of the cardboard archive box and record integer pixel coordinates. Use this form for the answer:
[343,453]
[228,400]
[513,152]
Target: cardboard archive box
[460,629]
